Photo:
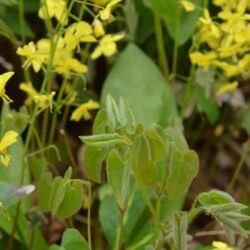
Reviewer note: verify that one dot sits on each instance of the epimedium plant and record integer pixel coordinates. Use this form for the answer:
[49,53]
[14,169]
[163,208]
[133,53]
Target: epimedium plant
[158,163]
[138,156]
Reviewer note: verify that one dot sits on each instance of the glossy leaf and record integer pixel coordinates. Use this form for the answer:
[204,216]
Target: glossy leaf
[184,167]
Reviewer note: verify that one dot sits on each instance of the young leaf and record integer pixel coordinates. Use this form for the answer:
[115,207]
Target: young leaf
[179,230]
[226,211]
[72,201]
[118,171]
[112,112]
[126,117]
[57,194]
[100,123]
[93,159]
[184,167]
[103,140]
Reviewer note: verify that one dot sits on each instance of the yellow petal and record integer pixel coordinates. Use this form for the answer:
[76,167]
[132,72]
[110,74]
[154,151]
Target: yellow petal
[187,5]
[4,79]
[227,87]
[9,138]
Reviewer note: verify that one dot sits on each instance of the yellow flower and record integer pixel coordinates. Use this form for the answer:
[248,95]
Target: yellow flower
[208,30]
[203,60]
[78,32]
[105,14]
[33,58]
[64,63]
[83,111]
[227,87]
[3,80]
[9,138]
[218,245]
[98,28]
[42,100]
[187,5]
[54,8]
[107,46]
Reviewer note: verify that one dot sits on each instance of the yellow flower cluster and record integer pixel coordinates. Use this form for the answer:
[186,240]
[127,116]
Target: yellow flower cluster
[227,38]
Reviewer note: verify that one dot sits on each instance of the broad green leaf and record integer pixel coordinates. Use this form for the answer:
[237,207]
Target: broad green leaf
[109,217]
[72,201]
[10,194]
[57,195]
[93,159]
[136,78]
[44,191]
[118,171]
[103,140]
[184,167]
[179,23]
[207,105]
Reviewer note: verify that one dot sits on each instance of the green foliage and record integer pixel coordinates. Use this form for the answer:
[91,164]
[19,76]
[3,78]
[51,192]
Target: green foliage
[226,211]
[71,240]
[136,78]
[179,23]
[62,196]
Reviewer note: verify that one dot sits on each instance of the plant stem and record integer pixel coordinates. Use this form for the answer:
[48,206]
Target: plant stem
[89,216]
[160,47]
[118,240]
[238,169]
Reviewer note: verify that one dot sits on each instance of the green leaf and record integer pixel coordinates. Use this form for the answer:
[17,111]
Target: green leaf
[72,240]
[156,144]
[127,119]
[207,105]
[118,171]
[136,78]
[176,140]
[103,140]
[226,211]
[179,23]
[57,195]
[112,112]
[93,159]
[184,167]
[43,192]
[109,216]
[72,201]
[100,123]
